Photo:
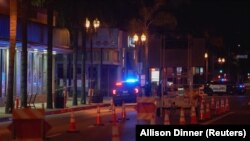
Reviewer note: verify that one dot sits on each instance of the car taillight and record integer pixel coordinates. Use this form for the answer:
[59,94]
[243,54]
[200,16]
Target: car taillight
[114,92]
[118,83]
[136,90]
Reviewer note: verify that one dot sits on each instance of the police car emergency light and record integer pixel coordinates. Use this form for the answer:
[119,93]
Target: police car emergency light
[131,80]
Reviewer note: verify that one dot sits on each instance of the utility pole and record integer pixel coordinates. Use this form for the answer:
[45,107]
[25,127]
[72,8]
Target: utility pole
[189,63]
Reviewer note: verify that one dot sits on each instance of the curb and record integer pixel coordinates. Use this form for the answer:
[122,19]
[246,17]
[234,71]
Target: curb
[67,110]
[5,119]
[61,111]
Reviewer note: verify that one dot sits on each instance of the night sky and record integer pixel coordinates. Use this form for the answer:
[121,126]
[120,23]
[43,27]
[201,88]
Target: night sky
[227,18]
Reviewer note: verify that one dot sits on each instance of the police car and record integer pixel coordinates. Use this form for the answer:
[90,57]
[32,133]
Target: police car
[223,87]
[126,91]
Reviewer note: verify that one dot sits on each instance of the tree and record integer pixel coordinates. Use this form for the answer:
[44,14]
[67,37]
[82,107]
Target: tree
[75,60]
[24,53]
[83,67]
[50,5]
[152,18]
[72,15]
[50,12]
[25,6]
[67,17]
[13,30]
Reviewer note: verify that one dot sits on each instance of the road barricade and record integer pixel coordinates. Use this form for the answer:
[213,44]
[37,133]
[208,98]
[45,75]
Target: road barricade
[29,124]
[177,101]
[146,108]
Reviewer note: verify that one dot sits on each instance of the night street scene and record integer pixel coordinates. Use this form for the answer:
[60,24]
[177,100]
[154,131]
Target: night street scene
[124,70]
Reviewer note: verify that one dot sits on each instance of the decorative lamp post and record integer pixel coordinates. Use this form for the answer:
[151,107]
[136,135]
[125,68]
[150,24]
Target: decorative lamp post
[143,37]
[91,29]
[140,40]
[221,60]
[136,37]
[206,71]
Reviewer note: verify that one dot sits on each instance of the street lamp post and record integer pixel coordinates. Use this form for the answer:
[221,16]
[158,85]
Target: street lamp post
[221,60]
[140,40]
[91,29]
[206,59]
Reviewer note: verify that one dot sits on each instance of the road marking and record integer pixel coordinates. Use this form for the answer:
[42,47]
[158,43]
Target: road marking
[130,104]
[91,126]
[53,135]
[217,118]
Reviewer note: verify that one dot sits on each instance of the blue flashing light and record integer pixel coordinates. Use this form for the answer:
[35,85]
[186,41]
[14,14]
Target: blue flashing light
[241,85]
[131,80]
[223,79]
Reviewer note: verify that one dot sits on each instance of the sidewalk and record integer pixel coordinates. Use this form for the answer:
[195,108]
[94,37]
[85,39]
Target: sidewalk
[69,108]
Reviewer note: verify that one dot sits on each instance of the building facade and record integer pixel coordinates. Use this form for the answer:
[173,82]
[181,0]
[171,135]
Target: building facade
[37,52]
[177,62]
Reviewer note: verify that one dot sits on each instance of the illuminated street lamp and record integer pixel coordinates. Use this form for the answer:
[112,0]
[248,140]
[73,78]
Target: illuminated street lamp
[206,59]
[136,37]
[91,29]
[143,37]
[221,60]
[140,40]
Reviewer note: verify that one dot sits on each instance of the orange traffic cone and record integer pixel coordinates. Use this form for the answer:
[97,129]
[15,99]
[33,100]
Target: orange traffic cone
[227,109]
[212,103]
[123,114]
[182,117]
[202,100]
[207,114]
[111,104]
[152,120]
[193,116]
[222,106]
[72,124]
[17,102]
[115,133]
[98,117]
[202,114]
[217,108]
[166,119]
[114,117]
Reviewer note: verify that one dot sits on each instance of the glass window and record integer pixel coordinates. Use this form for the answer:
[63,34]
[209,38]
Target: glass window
[178,70]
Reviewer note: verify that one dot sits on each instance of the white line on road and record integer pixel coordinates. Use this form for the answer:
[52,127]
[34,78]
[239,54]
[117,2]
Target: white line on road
[53,135]
[217,118]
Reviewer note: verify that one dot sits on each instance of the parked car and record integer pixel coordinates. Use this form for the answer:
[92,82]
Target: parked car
[224,88]
[126,91]
[247,85]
